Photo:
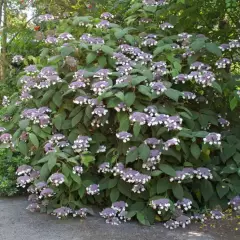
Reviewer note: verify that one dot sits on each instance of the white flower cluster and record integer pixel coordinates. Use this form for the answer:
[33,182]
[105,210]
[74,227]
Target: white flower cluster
[81,144]
[93,189]
[162,204]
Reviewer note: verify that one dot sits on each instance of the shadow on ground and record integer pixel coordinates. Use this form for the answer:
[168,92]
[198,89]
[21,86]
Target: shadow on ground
[16,223]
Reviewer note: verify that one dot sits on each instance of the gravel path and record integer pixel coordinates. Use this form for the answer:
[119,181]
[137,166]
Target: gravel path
[16,223]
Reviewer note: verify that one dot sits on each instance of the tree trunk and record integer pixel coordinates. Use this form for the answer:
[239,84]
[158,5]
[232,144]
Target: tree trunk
[1,10]
[4,41]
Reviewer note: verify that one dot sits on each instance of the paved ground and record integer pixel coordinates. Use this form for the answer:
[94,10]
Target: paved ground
[16,223]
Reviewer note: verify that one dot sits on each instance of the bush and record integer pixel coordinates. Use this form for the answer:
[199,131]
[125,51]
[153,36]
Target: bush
[124,114]
[9,163]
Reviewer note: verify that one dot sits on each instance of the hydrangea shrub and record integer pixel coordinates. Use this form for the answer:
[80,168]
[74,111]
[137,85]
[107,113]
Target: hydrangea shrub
[126,117]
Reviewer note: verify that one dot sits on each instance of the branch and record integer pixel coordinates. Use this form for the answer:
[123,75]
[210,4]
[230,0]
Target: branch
[20,30]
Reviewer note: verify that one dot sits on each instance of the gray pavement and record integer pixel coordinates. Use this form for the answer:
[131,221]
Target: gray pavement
[16,223]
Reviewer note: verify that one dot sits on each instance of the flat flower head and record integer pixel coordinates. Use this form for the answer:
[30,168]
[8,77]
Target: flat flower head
[24,170]
[125,136]
[93,189]
[107,16]
[57,179]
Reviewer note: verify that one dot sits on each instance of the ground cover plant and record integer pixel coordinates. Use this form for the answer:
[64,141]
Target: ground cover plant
[132,116]
[9,162]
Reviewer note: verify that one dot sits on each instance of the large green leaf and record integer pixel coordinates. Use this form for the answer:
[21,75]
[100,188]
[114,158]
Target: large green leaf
[144,90]
[66,51]
[173,94]
[108,50]
[44,172]
[167,169]
[206,190]
[91,57]
[125,188]
[58,121]
[87,159]
[23,148]
[195,150]
[177,190]
[144,152]
[77,119]
[102,61]
[213,48]
[163,185]
[47,96]
[222,189]
[57,99]
[136,129]
[52,161]
[23,124]
[124,122]
[114,195]
[33,138]
[129,98]
[132,156]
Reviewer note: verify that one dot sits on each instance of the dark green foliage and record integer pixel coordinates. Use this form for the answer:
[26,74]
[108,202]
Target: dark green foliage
[9,162]
[72,120]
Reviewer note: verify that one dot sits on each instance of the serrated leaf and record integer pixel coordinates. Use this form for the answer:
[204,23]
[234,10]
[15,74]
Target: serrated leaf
[163,185]
[65,170]
[173,94]
[96,47]
[198,44]
[162,49]
[124,122]
[144,90]
[44,52]
[177,190]
[23,124]
[141,218]
[130,39]
[119,33]
[108,50]
[132,156]
[120,95]
[91,57]
[201,134]
[222,189]
[138,79]
[58,121]
[233,103]
[57,99]
[206,189]
[195,150]
[125,188]
[114,195]
[213,48]
[87,159]
[23,148]
[216,86]
[52,161]
[81,191]
[76,178]
[144,152]
[112,183]
[66,51]
[102,61]
[47,96]
[33,138]
[77,119]
[136,129]
[129,98]
[167,169]
[229,169]
[55,59]
[44,172]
